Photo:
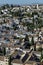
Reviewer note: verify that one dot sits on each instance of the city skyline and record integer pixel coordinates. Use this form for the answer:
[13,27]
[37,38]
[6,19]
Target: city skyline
[21,2]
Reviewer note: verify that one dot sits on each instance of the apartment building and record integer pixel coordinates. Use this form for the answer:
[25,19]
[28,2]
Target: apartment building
[3,60]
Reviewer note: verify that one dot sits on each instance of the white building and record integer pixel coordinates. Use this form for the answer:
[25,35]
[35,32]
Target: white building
[3,60]
[37,6]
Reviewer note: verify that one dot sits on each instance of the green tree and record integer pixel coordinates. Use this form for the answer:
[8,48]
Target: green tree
[28,14]
[26,38]
[7,6]
[32,41]
[9,60]
[35,13]
[4,50]
[12,5]
[40,49]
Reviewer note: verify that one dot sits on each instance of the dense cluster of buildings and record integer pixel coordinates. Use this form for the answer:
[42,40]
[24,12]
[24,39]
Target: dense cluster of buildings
[21,35]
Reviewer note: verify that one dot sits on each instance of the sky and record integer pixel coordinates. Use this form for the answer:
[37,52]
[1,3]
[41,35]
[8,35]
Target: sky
[21,2]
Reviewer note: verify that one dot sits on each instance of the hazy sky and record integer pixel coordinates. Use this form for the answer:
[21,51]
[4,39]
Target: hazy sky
[20,1]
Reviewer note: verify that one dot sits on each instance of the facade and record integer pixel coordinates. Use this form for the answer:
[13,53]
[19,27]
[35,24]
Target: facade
[3,60]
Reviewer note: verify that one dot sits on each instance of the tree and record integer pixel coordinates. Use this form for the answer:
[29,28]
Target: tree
[4,50]
[20,40]
[10,60]
[40,49]
[7,6]
[3,7]
[28,14]
[1,51]
[32,41]
[27,45]
[26,38]
[4,20]
[35,13]
[34,44]
[27,42]
[12,5]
